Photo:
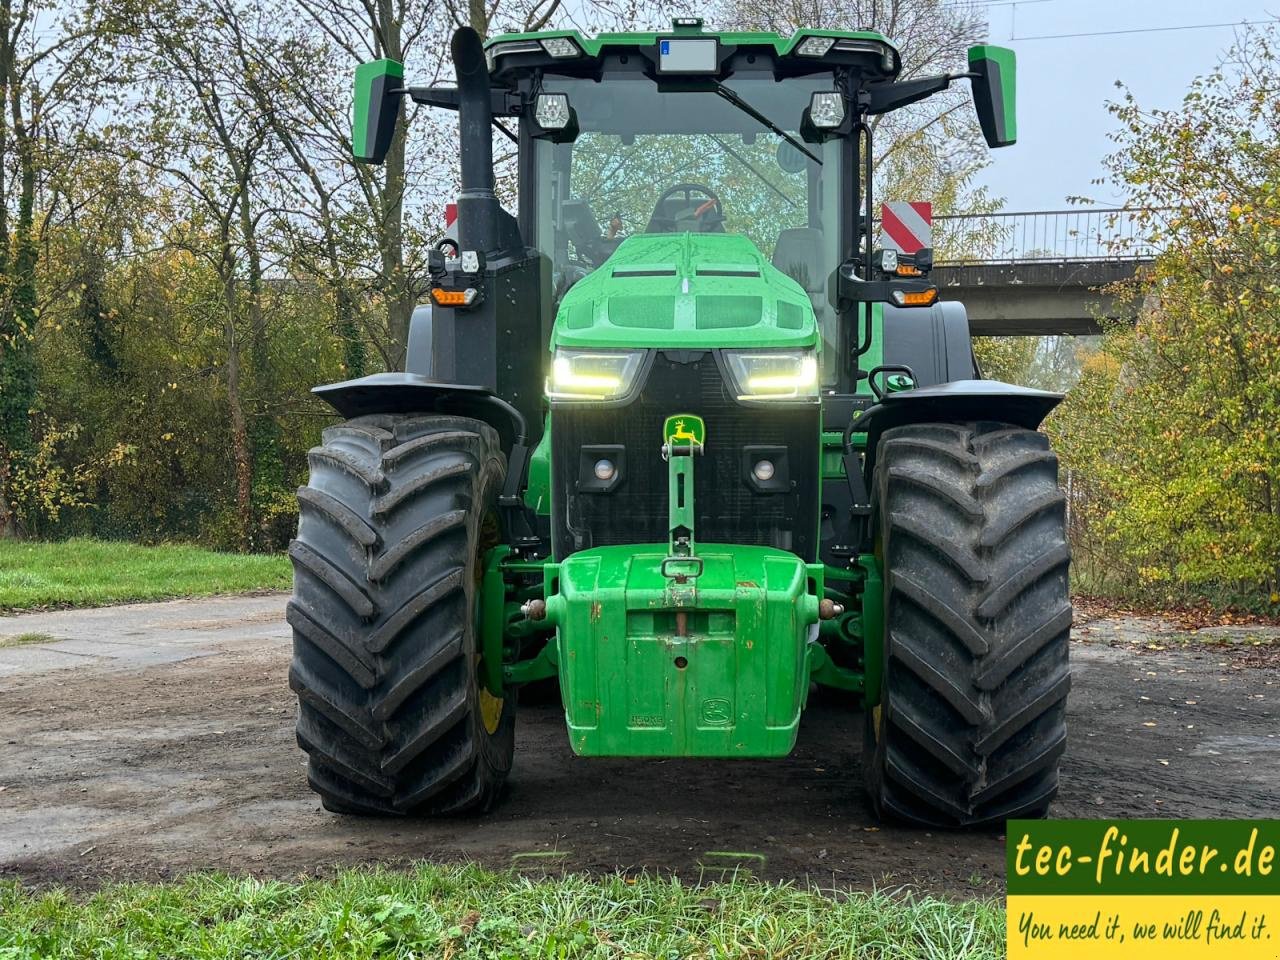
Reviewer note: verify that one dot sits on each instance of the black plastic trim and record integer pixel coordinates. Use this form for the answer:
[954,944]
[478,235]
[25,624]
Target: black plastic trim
[412,393]
[959,401]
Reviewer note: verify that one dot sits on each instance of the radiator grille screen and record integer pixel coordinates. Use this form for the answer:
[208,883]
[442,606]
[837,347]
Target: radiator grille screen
[728,509]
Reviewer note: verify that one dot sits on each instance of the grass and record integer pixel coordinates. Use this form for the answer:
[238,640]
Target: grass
[465,912]
[95,573]
[22,639]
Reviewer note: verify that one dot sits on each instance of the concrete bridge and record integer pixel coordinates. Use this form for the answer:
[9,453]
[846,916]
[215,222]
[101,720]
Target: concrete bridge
[1038,273]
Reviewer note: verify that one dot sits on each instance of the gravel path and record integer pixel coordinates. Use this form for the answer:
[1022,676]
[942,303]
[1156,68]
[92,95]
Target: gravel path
[149,740]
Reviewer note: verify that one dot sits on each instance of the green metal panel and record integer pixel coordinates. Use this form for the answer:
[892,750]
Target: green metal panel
[715,667]
[663,290]
[681,515]
[832,456]
[492,604]
[537,491]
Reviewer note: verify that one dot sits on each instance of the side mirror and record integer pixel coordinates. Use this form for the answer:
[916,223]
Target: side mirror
[994,72]
[377,105]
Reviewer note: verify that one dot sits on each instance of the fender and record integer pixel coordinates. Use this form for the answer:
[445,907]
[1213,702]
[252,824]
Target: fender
[958,401]
[414,393]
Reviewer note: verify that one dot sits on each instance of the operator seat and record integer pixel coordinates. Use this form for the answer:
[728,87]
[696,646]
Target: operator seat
[798,253]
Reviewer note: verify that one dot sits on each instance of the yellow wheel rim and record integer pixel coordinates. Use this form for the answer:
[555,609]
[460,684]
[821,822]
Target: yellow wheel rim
[490,711]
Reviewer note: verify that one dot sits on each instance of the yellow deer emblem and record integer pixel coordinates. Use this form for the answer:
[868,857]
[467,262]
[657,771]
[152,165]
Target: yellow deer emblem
[683,434]
[685,429]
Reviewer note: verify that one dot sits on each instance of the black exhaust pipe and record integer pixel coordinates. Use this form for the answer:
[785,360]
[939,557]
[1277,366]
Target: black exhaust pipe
[477,202]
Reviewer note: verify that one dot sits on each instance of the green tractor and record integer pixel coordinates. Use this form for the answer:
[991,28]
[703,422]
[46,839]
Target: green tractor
[677,435]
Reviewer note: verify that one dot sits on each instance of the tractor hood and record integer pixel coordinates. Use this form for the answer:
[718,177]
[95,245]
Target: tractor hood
[686,291]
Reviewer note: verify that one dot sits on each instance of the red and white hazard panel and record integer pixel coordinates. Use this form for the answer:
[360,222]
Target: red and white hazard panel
[906,227]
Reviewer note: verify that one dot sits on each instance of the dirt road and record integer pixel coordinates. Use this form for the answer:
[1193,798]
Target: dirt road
[146,741]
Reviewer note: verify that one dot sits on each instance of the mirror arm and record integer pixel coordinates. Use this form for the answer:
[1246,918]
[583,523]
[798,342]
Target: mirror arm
[503,103]
[891,96]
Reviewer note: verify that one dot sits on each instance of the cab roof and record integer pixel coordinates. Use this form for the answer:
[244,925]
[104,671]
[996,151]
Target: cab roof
[869,50]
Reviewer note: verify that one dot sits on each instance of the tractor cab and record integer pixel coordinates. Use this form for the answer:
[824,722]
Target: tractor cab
[696,188]
[627,139]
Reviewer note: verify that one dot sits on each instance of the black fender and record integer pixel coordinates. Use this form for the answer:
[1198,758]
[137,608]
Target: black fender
[413,393]
[958,401]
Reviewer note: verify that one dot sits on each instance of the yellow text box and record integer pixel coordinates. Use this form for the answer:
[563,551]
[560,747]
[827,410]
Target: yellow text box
[1200,926]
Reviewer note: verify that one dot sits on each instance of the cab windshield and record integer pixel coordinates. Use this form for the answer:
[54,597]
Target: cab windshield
[650,161]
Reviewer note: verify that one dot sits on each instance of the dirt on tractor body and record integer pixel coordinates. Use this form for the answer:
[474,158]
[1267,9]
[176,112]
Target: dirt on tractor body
[153,740]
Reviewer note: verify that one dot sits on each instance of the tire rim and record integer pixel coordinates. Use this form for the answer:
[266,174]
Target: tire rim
[490,711]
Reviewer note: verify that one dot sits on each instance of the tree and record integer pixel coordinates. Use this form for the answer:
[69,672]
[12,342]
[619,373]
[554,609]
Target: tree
[50,86]
[1176,427]
[207,137]
[927,151]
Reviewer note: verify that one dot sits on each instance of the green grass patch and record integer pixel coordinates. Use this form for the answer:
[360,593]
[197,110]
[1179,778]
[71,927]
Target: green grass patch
[94,573]
[22,639]
[465,912]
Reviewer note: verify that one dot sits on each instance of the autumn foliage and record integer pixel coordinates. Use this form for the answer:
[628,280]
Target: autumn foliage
[1171,439]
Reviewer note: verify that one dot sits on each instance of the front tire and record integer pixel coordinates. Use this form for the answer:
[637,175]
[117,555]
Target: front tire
[971,536]
[393,527]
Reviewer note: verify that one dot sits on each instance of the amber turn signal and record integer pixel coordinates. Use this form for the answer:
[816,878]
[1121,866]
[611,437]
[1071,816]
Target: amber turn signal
[915,298]
[453,298]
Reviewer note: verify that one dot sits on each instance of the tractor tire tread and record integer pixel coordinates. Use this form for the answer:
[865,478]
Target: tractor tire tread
[971,723]
[390,533]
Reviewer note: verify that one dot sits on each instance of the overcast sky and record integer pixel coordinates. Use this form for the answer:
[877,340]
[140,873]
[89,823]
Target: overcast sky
[1064,84]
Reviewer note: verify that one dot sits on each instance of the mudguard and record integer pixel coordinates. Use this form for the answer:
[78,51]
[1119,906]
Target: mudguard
[414,393]
[955,402]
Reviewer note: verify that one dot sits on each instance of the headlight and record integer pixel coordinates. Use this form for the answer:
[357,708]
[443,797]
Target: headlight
[592,374]
[774,375]
[826,109]
[815,46]
[560,47]
[551,110]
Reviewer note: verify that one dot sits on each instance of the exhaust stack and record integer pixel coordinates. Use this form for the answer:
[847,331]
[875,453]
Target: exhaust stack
[477,203]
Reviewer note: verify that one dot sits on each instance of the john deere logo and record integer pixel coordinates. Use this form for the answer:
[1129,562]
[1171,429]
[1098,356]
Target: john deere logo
[684,429]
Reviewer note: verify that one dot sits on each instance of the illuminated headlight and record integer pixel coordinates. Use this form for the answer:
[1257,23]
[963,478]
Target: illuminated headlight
[551,110]
[774,375]
[826,109]
[560,47]
[592,374]
[815,46]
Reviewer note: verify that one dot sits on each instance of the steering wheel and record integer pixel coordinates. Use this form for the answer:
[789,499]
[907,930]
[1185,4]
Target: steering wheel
[709,214]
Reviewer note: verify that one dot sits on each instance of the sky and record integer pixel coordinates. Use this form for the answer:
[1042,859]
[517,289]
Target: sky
[1064,84]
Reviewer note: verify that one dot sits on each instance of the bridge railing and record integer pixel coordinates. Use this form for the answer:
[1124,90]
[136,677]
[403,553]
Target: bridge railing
[1084,233]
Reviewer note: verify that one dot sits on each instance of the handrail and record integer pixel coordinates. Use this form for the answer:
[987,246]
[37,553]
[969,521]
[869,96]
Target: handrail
[1016,236]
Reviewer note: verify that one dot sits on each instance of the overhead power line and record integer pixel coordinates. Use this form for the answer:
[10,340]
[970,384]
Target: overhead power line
[995,3]
[1115,33]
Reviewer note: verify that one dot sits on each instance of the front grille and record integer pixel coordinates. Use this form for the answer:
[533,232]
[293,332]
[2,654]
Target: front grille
[728,509]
